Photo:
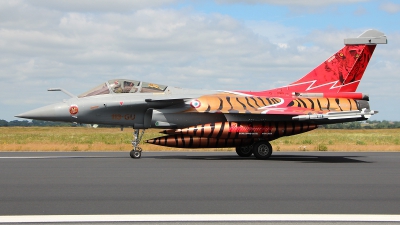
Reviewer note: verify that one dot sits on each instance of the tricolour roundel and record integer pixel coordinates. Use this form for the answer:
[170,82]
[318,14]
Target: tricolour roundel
[195,103]
[73,109]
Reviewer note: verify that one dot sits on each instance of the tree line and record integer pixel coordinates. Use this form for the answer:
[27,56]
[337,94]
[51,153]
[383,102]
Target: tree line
[35,123]
[369,124]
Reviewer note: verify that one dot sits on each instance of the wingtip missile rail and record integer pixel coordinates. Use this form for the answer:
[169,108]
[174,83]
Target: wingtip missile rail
[364,113]
[350,95]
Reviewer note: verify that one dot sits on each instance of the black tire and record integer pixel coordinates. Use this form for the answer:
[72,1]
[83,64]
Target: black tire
[262,150]
[244,151]
[135,154]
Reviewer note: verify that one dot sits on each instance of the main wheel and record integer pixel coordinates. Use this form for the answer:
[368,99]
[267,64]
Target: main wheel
[244,151]
[135,154]
[262,150]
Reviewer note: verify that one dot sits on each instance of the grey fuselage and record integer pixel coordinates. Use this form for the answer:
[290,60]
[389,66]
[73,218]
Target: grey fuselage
[140,110]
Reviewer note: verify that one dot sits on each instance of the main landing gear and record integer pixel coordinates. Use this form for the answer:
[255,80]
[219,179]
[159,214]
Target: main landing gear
[260,149]
[244,151]
[137,137]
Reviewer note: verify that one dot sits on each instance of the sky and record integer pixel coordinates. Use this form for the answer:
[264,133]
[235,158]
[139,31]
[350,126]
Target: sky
[219,45]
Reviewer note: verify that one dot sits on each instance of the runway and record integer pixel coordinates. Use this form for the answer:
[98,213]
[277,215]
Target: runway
[76,183]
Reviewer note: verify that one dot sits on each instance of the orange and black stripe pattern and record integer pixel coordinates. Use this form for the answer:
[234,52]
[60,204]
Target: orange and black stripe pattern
[244,129]
[229,134]
[257,105]
[233,104]
[181,141]
[324,104]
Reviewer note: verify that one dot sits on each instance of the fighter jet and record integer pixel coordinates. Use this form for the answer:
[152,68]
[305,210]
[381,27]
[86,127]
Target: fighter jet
[245,120]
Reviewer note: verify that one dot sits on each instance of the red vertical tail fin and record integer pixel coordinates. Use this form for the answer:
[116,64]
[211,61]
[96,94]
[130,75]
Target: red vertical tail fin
[341,72]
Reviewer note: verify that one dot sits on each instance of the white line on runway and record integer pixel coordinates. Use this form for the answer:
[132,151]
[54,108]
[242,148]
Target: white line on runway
[48,157]
[201,218]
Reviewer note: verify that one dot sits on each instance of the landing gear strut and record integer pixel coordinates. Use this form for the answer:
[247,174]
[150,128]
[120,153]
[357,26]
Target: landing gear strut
[137,137]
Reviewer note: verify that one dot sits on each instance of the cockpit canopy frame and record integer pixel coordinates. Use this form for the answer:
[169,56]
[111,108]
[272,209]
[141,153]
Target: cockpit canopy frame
[119,86]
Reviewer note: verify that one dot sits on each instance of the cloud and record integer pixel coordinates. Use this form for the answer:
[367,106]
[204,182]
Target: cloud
[45,46]
[360,11]
[390,7]
[99,5]
[273,31]
[291,2]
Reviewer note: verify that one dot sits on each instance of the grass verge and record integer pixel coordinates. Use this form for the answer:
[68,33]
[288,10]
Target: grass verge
[112,139]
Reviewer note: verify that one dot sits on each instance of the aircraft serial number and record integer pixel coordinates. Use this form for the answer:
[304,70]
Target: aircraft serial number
[125,117]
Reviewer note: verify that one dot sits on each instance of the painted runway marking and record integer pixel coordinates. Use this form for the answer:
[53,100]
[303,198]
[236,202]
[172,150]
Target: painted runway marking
[201,218]
[49,157]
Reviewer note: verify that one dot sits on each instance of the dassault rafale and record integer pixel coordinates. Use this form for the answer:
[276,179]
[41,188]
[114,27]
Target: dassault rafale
[245,120]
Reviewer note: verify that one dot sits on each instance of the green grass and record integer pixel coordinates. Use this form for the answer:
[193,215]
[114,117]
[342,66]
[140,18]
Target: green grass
[88,139]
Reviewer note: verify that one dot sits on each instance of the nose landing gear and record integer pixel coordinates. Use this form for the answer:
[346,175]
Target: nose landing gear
[137,137]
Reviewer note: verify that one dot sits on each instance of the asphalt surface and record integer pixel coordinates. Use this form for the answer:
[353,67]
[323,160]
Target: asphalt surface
[199,183]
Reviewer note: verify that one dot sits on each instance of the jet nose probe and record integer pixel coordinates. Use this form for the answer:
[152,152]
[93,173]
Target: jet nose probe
[54,112]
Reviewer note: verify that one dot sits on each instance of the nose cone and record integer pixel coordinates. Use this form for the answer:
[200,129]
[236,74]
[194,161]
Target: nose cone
[54,112]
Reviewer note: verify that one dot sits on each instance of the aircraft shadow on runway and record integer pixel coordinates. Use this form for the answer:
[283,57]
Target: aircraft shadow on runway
[290,158]
[306,158]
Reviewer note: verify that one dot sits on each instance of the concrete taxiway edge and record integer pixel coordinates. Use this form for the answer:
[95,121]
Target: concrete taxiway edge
[199,218]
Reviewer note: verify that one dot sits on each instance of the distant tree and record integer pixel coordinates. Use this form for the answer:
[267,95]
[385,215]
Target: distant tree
[363,125]
[40,123]
[17,123]
[3,123]
[369,124]
[353,125]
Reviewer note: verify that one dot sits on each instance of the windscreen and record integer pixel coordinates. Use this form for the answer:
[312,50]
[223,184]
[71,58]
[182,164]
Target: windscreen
[102,89]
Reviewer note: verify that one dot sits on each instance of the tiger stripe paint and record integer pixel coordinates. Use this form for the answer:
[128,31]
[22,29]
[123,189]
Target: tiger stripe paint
[256,105]
[323,104]
[233,104]
[265,130]
[229,134]
[181,141]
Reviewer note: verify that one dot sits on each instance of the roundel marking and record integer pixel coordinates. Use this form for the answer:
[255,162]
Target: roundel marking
[195,103]
[73,109]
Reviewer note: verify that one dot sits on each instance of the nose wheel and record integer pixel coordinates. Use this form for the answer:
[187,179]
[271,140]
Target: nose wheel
[136,153]
[137,137]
